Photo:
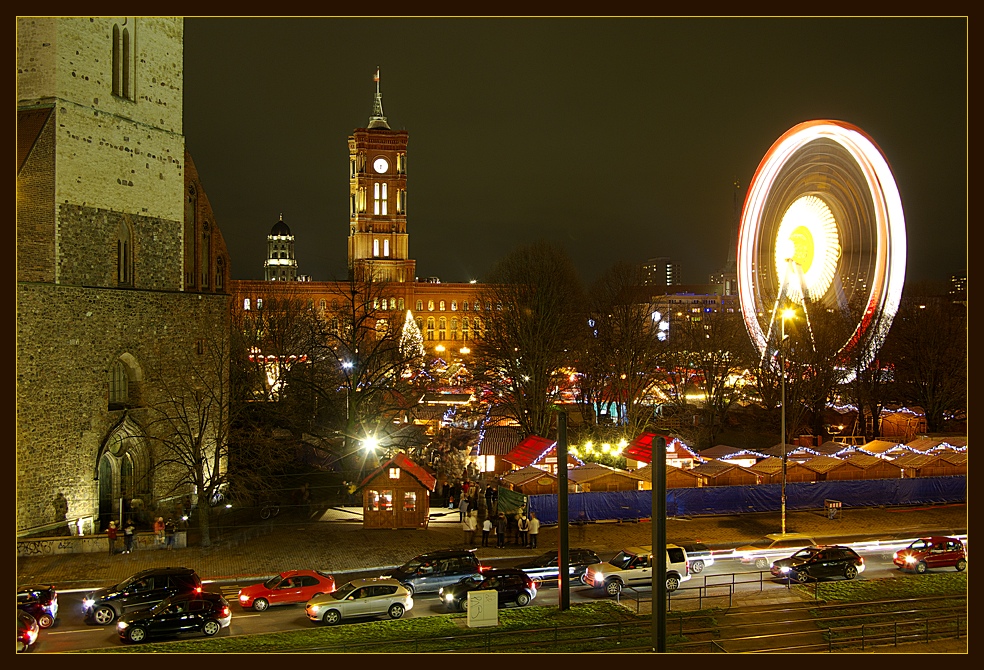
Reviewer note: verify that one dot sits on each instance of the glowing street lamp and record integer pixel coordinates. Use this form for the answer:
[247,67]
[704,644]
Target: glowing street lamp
[786,314]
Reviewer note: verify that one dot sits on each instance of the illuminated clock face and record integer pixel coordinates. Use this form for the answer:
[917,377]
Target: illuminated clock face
[380,165]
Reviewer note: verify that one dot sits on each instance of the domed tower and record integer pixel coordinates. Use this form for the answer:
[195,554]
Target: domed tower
[280,264]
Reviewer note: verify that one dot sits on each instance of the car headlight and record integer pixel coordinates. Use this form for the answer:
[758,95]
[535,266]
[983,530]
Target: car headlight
[123,625]
[440,591]
[314,608]
[599,577]
[87,603]
[784,568]
[910,559]
[448,598]
[243,598]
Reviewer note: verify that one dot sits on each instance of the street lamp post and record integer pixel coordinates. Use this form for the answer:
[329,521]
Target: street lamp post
[786,314]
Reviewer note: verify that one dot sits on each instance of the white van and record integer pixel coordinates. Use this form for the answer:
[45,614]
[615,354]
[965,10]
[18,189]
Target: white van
[633,567]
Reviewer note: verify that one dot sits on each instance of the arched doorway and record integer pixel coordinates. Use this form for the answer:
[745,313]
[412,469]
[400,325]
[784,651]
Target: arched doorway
[124,474]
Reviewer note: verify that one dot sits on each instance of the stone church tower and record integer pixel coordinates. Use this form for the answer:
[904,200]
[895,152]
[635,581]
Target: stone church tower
[121,268]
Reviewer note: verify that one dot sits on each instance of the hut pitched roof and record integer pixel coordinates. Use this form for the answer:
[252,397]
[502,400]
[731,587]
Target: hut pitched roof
[590,471]
[400,460]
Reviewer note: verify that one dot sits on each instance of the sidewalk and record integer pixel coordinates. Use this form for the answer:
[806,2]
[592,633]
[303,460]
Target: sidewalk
[336,542]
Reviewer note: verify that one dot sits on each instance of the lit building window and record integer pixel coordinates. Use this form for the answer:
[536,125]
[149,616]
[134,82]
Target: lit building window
[454,305]
[394,473]
[430,305]
[386,247]
[409,501]
[442,305]
[375,247]
[430,328]
[400,304]
[246,303]
[420,305]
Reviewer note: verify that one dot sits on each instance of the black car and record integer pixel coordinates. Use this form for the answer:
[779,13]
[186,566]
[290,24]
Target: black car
[207,613]
[816,562]
[41,602]
[142,590]
[546,566]
[27,631]
[430,572]
[512,584]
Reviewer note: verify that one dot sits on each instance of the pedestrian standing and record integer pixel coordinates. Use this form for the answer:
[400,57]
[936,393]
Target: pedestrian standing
[159,532]
[111,534]
[169,531]
[486,529]
[467,529]
[524,530]
[128,534]
[534,529]
[500,530]
[463,507]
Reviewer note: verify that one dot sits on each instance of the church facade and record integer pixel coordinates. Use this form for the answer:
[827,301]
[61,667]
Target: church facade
[120,270]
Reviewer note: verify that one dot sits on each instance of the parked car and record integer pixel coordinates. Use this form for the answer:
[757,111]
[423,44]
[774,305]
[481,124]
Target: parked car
[141,591]
[359,598]
[546,566]
[700,556]
[777,544]
[427,573]
[205,613]
[633,567]
[41,602]
[27,631]
[932,552]
[820,561]
[293,586]
[512,584]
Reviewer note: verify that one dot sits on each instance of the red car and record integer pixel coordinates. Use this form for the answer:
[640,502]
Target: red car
[932,552]
[293,586]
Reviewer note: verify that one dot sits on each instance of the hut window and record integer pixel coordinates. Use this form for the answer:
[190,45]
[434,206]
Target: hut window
[380,501]
[394,473]
[409,501]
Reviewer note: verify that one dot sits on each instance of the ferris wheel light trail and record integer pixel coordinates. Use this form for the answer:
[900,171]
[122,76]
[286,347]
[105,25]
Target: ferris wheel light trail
[822,224]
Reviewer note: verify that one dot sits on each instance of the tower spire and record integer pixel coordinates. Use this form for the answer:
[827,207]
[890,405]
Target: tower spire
[377,120]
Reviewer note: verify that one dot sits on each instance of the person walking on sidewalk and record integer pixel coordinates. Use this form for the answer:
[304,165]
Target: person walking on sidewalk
[463,507]
[534,529]
[486,529]
[468,528]
[128,535]
[500,530]
[111,534]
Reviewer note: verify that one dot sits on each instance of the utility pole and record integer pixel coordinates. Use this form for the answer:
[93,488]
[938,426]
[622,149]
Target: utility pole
[563,561]
[659,544]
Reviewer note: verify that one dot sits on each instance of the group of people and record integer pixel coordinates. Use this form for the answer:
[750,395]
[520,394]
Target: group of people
[527,529]
[164,532]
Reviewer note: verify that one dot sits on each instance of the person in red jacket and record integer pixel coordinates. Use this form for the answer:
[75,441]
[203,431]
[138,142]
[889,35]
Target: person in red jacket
[111,534]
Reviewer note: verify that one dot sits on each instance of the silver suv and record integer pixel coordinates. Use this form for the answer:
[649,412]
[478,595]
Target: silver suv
[633,567]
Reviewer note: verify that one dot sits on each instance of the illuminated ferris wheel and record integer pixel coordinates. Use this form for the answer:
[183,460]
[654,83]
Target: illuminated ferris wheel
[822,229]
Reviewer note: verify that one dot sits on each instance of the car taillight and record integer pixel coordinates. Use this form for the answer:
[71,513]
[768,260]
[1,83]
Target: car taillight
[686,566]
[224,612]
[198,589]
[861,560]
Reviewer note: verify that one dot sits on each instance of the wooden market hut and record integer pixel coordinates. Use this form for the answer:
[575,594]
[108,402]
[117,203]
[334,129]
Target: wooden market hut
[397,494]
[876,468]
[540,452]
[676,478]
[956,462]
[530,481]
[828,468]
[722,473]
[598,477]
[921,465]
[495,443]
[640,450]
[770,469]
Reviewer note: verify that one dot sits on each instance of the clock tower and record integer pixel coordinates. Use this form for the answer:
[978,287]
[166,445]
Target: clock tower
[377,241]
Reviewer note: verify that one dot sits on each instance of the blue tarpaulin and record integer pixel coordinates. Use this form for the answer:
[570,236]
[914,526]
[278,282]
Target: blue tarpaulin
[628,505]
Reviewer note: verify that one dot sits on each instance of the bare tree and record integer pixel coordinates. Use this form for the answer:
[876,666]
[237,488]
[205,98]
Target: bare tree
[927,348]
[535,300]
[709,356]
[359,363]
[624,348]
[189,420]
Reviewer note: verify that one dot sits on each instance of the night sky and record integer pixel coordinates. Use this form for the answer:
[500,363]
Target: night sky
[617,139]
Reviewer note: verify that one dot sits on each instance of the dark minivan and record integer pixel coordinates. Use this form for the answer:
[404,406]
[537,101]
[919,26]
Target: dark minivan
[429,572]
[141,591]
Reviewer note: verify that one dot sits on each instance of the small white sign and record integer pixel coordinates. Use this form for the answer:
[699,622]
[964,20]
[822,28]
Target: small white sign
[483,608]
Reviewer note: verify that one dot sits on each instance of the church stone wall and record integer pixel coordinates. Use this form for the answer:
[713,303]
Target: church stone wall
[65,369]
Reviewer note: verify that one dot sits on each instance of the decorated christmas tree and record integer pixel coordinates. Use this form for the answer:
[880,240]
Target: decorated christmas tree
[411,340]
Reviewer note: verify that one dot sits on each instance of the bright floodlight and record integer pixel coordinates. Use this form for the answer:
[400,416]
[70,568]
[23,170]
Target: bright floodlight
[370,444]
